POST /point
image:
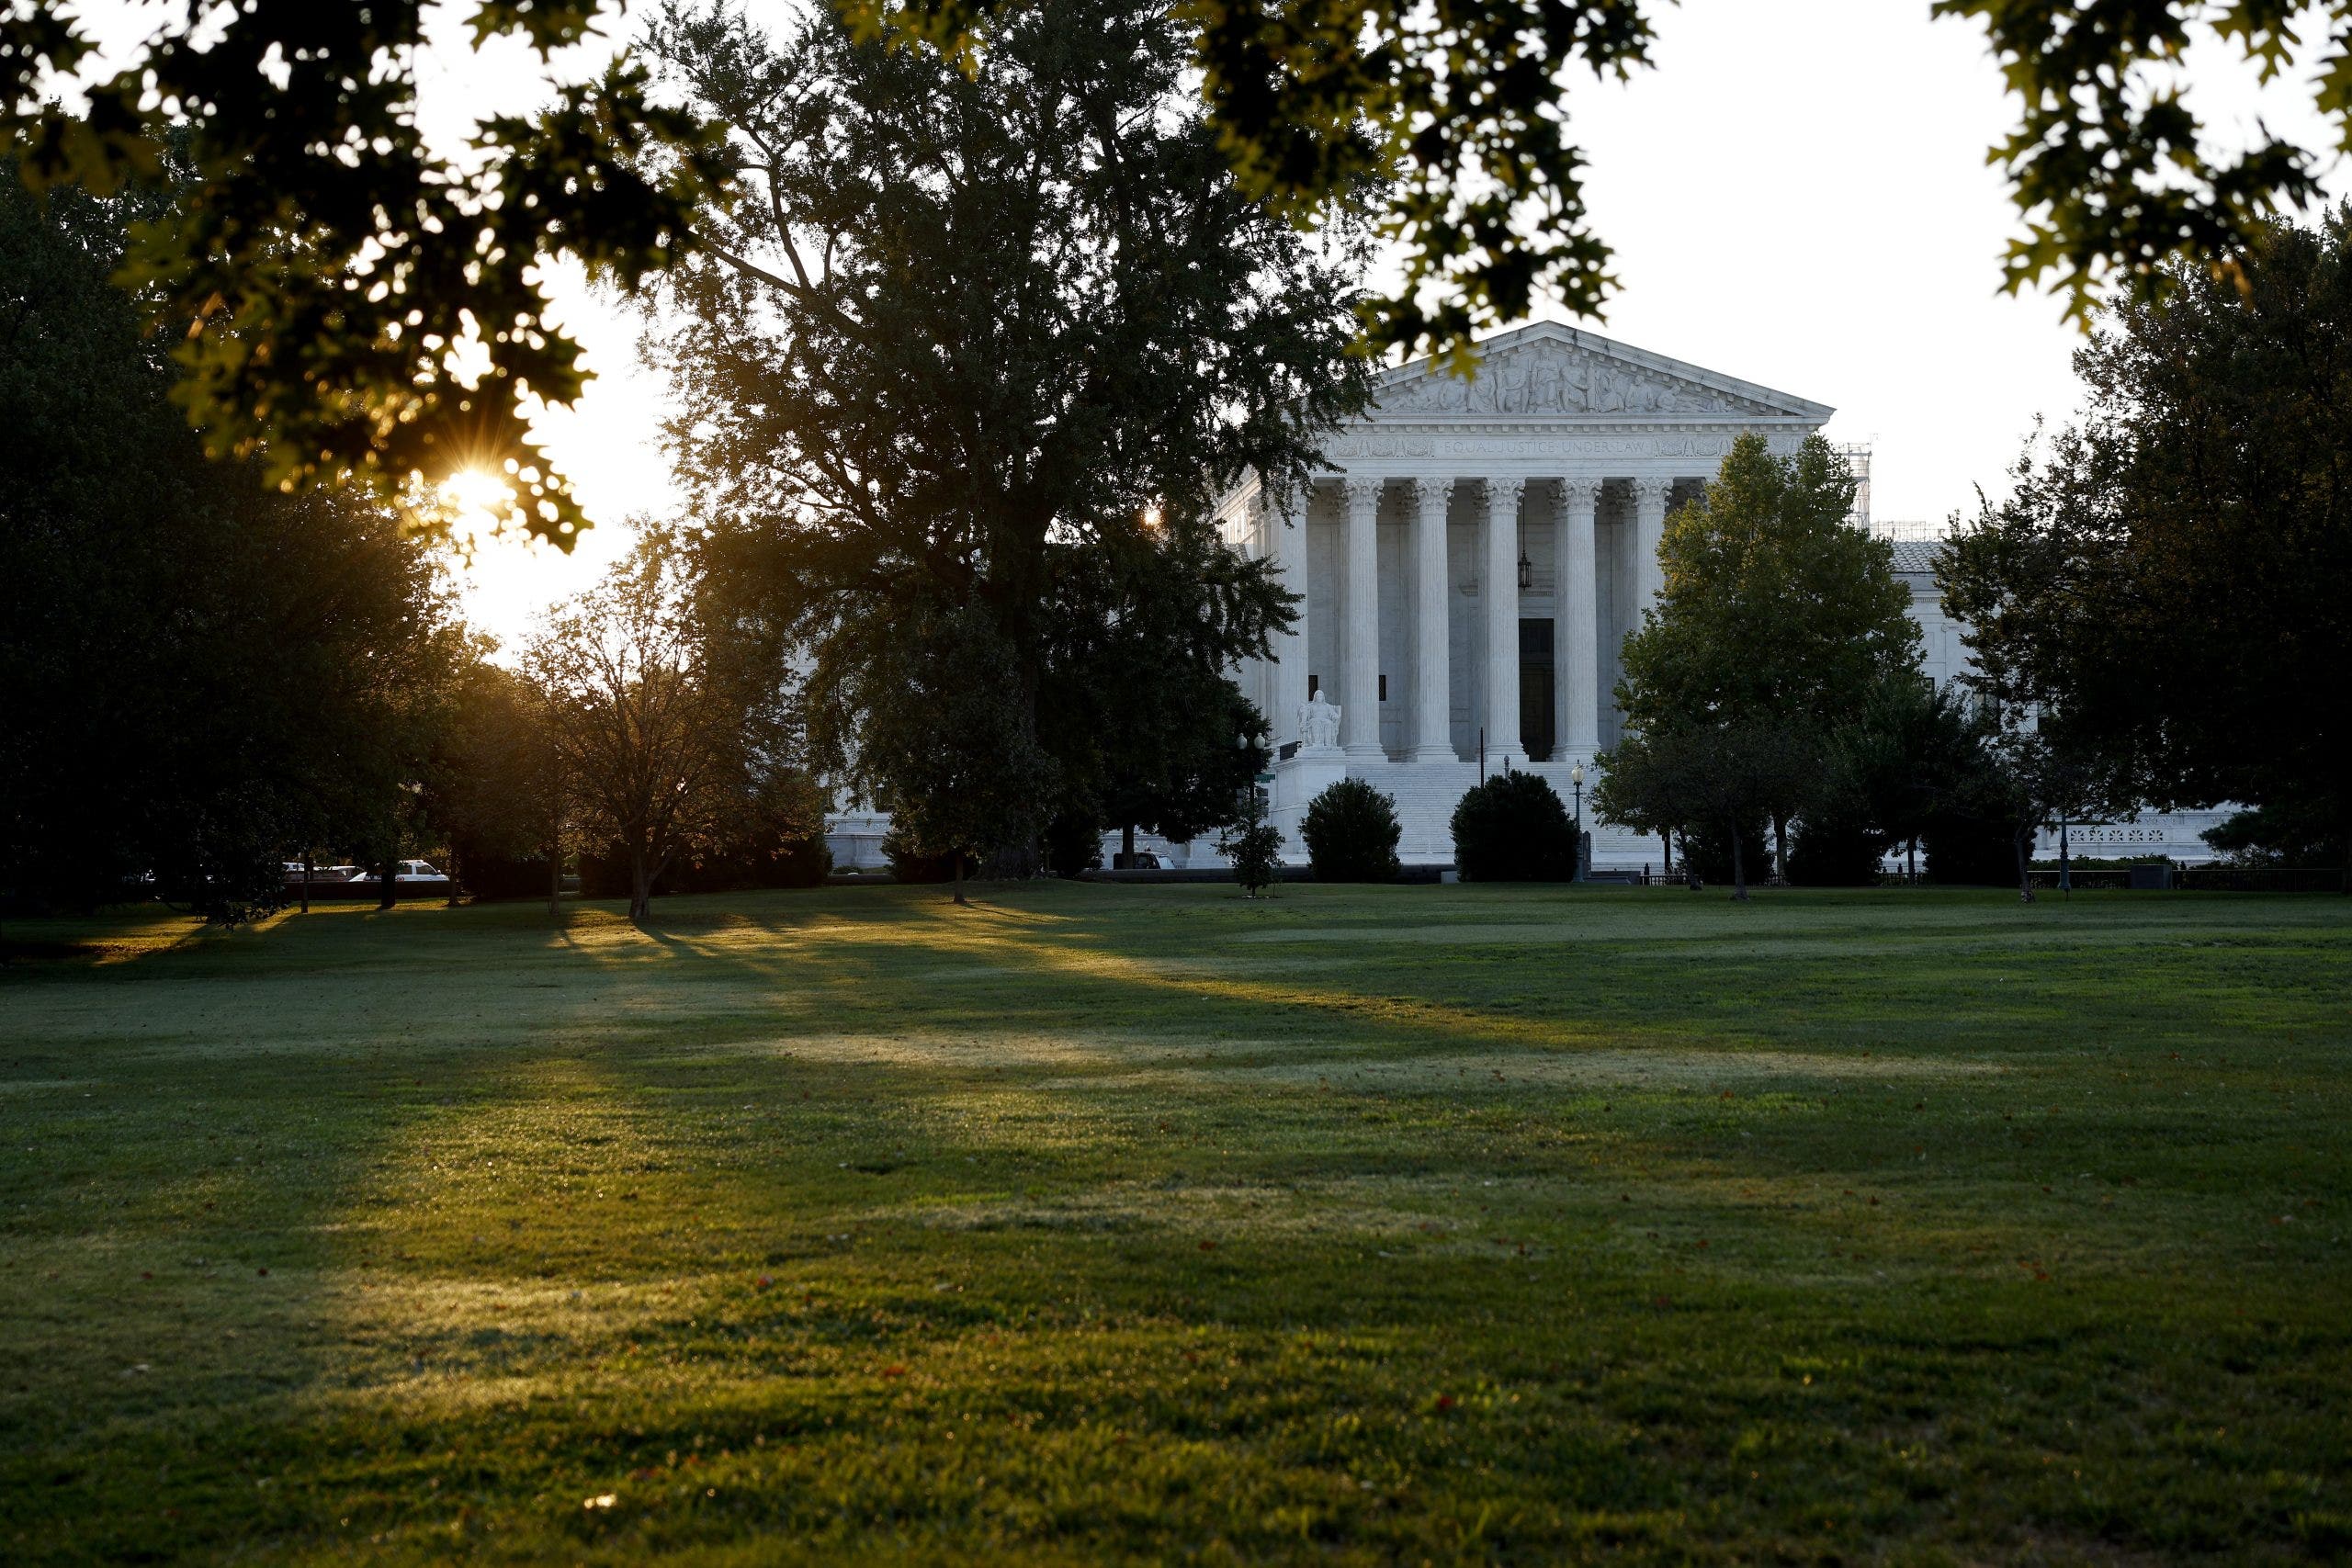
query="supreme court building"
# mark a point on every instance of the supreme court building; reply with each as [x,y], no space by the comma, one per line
[1471,558]
[1472,562]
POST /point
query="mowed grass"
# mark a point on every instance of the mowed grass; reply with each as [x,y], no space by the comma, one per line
[1148,1222]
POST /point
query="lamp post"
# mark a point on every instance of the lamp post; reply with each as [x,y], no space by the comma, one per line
[1575,783]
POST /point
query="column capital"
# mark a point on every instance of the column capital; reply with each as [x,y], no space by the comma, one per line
[1431,492]
[1579,493]
[1652,491]
[1362,491]
[1504,493]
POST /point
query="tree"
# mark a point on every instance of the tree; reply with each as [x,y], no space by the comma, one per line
[201,678]
[1175,763]
[2031,780]
[2273,836]
[337,293]
[1720,779]
[1774,603]
[2168,586]
[1777,617]
[1512,828]
[962,370]
[656,741]
[1631,789]
[496,789]
[1351,832]
[1253,845]
[948,731]
[1906,754]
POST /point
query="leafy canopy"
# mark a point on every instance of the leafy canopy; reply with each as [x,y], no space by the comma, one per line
[1459,114]
[340,284]
[1776,608]
[961,373]
[344,300]
[198,678]
[2168,585]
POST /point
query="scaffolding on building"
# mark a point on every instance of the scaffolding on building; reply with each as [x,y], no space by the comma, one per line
[1858,458]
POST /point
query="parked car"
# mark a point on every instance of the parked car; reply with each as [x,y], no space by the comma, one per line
[409,874]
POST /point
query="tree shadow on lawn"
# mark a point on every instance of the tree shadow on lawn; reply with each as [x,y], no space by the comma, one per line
[181,1261]
[1317,1228]
[1043,1262]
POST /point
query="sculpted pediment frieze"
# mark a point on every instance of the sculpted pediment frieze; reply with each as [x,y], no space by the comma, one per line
[1555,372]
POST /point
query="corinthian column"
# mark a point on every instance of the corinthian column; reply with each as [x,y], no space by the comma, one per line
[1288,547]
[1577,618]
[1360,625]
[1649,531]
[1432,691]
[1498,590]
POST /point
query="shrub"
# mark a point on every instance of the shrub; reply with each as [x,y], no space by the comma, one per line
[1513,828]
[906,865]
[1351,832]
[1708,846]
[489,878]
[1829,851]
[1073,844]
[1965,851]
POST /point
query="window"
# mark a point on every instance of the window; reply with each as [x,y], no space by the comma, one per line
[1383,688]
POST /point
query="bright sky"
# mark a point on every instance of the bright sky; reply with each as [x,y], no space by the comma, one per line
[1797,194]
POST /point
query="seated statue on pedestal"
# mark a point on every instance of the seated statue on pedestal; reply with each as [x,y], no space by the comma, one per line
[1318,725]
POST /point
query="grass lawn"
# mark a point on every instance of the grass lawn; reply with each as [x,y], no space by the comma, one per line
[1142,1222]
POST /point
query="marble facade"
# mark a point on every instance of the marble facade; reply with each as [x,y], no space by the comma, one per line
[1472,561]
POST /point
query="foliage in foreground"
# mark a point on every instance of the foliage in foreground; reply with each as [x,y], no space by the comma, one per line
[334,295]
[1159,1224]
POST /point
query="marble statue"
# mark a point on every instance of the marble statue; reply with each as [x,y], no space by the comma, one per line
[1319,724]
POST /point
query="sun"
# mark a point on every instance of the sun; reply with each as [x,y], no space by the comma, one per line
[474,504]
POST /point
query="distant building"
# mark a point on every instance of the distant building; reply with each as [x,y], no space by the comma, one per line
[1472,559]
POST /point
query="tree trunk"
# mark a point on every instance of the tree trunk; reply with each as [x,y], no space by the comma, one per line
[1666,838]
[1738,868]
[306,881]
[959,880]
[456,869]
[555,861]
[1128,842]
[1911,860]
[1780,851]
[388,886]
[2025,867]
[640,883]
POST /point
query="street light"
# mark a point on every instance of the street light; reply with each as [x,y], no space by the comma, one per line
[1575,783]
[1526,572]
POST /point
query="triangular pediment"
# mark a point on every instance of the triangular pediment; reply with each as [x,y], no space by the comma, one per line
[1550,371]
